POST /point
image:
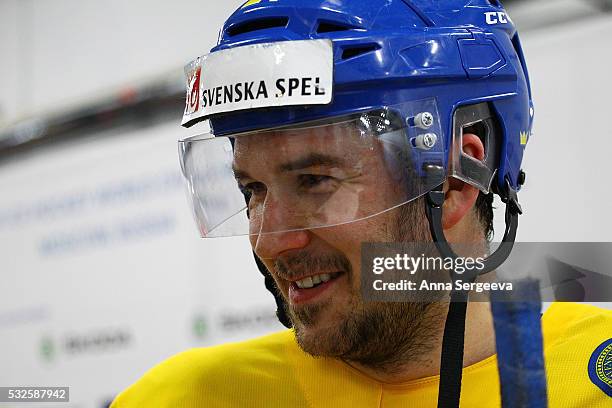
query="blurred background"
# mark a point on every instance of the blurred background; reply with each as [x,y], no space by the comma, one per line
[102,273]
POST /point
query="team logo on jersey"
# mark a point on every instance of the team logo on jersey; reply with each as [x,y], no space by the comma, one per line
[600,367]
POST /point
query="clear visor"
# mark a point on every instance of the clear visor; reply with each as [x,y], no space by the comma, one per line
[313,175]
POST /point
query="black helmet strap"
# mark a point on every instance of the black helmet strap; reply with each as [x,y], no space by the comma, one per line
[451,364]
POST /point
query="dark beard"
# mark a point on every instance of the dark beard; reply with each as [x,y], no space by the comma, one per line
[382,336]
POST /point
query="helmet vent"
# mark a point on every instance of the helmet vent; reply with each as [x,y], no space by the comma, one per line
[256,25]
[352,52]
[334,26]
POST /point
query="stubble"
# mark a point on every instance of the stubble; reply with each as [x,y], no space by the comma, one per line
[383,336]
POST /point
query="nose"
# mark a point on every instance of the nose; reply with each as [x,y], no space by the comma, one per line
[276,228]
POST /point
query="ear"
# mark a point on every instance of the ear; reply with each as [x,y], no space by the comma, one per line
[460,197]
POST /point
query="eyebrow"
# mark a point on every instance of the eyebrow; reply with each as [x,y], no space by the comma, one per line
[311,160]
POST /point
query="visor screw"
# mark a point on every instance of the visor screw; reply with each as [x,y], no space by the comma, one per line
[424,120]
[426,141]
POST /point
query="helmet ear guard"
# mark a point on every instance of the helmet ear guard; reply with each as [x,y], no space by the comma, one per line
[476,119]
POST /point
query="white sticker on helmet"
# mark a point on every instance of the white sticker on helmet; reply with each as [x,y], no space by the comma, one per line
[259,76]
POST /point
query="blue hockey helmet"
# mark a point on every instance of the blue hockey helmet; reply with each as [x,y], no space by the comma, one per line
[425,69]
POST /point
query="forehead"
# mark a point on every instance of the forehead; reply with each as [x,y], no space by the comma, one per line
[343,141]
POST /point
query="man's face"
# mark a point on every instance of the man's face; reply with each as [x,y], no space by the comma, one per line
[305,188]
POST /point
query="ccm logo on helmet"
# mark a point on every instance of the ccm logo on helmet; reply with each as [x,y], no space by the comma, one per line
[497,17]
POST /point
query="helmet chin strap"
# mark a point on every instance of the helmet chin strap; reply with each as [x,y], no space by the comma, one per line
[451,364]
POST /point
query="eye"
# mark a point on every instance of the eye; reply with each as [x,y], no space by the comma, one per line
[252,189]
[317,183]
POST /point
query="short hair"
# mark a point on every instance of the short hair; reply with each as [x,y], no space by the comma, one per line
[484,213]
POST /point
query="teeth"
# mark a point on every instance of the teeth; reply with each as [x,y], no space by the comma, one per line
[311,281]
[307,283]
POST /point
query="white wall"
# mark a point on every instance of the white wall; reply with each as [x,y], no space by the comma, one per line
[567,197]
[60,51]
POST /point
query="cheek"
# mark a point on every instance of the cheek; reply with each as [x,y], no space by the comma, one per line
[268,263]
[283,286]
[346,240]
[254,224]
[253,241]
[382,186]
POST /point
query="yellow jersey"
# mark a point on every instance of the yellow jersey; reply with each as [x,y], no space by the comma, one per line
[272,371]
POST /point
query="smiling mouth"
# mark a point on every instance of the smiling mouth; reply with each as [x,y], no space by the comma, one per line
[311,287]
[315,280]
